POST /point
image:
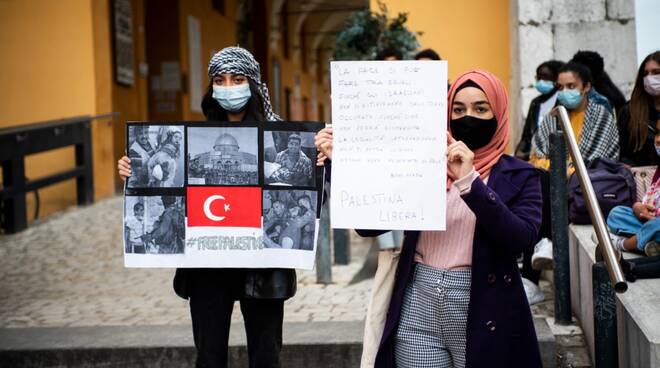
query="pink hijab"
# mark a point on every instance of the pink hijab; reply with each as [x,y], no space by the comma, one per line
[486,157]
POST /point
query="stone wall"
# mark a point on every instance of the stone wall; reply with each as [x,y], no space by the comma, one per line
[556,29]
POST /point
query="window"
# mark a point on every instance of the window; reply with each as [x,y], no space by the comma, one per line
[277,87]
[287,103]
[284,28]
[303,48]
[219,6]
[321,116]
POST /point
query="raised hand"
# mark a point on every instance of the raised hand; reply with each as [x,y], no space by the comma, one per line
[460,160]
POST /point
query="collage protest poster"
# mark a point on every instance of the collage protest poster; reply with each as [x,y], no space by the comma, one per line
[217,194]
[389,121]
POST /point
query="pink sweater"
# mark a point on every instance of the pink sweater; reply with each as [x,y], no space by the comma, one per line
[452,248]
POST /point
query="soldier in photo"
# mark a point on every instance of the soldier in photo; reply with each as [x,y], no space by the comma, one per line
[168,234]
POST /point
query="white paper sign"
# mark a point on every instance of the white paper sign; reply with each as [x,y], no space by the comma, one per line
[389,166]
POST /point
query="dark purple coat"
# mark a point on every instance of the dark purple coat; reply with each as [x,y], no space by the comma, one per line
[500,330]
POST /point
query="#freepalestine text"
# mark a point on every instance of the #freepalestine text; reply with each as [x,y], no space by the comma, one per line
[226,242]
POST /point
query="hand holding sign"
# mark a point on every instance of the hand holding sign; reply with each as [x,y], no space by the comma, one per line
[323,143]
[459,158]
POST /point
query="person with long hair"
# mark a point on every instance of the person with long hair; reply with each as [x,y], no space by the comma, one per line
[637,118]
[235,93]
[458,299]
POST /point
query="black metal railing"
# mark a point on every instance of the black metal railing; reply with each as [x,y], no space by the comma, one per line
[18,142]
[607,275]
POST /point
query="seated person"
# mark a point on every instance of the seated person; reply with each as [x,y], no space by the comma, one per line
[593,125]
[638,227]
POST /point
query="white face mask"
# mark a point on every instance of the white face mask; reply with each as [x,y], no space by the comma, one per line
[234,98]
[657,150]
[652,84]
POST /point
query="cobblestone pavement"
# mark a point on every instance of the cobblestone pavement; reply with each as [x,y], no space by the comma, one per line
[67,270]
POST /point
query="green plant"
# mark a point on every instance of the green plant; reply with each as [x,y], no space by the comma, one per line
[367,33]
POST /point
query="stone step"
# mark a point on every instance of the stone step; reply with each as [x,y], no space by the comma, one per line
[306,344]
[638,320]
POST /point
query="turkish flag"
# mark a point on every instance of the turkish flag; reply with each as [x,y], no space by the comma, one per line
[224,206]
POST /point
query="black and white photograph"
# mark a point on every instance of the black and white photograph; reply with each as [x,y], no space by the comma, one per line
[289,219]
[154,224]
[223,156]
[156,153]
[289,158]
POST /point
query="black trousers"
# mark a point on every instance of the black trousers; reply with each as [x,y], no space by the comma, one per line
[544,232]
[212,297]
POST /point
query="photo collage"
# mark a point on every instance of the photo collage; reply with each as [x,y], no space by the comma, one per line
[171,163]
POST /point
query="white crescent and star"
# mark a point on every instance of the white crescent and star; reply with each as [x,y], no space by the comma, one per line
[207,207]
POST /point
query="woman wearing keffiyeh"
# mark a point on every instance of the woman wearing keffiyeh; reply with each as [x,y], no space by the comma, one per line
[235,93]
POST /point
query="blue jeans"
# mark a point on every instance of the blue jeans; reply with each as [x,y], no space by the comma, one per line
[622,221]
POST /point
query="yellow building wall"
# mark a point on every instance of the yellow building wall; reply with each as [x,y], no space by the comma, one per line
[468,33]
[49,72]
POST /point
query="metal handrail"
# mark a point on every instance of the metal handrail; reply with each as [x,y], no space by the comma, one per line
[605,247]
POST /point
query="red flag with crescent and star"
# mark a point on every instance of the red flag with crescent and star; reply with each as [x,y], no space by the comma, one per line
[224,206]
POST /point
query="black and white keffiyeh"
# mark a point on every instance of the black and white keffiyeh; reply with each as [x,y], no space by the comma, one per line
[237,60]
[599,136]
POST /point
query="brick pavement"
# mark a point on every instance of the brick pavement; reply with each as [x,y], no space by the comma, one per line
[67,270]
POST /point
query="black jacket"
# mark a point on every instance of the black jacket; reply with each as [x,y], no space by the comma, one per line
[266,283]
[261,283]
[531,124]
[646,156]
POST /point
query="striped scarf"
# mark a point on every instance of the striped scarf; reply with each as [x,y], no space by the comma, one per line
[237,60]
[599,136]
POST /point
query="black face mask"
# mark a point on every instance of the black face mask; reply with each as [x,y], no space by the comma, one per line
[474,132]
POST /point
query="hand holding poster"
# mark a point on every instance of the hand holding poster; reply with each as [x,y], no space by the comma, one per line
[389,124]
[222,195]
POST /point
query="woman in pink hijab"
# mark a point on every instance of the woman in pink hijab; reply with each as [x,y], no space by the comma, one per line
[458,298]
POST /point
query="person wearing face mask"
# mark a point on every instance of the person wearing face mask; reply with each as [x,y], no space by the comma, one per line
[546,77]
[458,299]
[635,120]
[235,93]
[603,90]
[593,125]
[597,136]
